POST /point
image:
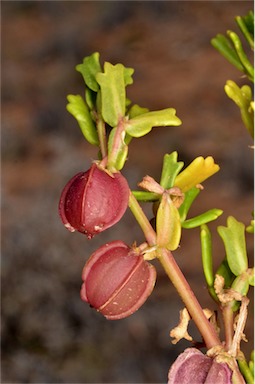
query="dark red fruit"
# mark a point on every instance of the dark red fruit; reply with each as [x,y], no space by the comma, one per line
[93,201]
[117,280]
[192,366]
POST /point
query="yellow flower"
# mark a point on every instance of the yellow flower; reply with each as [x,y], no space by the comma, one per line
[198,171]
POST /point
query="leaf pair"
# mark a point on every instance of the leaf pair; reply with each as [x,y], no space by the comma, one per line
[234,267]
[106,103]
[231,48]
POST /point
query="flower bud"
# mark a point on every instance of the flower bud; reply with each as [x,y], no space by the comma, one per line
[193,367]
[168,224]
[117,280]
[93,201]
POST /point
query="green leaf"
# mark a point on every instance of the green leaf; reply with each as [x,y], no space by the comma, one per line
[89,69]
[142,124]
[249,69]
[246,25]
[242,98]
[206,247]
[128,75]
[204,218]
[249,22]
[90,98]
[78,108]
[190,196]
[146,196]
[224,46]
[226,272]
[136,110]
[112,83]
[240,285]
[250,228]
[171,168]
[235,246]
[250,273]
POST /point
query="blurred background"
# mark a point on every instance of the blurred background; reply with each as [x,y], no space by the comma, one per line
[48,334]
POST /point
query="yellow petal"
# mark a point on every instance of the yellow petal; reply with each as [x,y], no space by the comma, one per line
[198,171]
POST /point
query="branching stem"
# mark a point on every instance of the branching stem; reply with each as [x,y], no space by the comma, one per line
[174,273]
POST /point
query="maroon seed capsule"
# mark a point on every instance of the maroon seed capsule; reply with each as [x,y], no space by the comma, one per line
[117,280]
[192,366]
[93,201]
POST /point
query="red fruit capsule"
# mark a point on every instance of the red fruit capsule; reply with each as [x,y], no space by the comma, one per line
[93,201]
[117,280]
[192,366]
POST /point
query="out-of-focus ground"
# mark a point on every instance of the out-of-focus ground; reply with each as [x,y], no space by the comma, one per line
[48,334]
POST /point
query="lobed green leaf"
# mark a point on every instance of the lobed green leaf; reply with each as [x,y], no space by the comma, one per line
[171,168]
[112,83]
[142,124]
[235,245]
[89,69]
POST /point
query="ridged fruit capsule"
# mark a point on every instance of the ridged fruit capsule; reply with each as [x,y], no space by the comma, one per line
[117,280]
[192,366]
[93,201]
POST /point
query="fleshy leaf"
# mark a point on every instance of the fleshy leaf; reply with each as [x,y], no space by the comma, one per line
[128,77]
[112,83]
[246,24]
[235,246]
[251,276]
[225,47]
[199,170]
[136,110]
[90,98]
[89,68]
[79,109]
[206,246]
[248,67]
[143,124]
[171,168]
[250,228]
[204,218]
[190,196]
[226,272]
[242,97]
[146,196]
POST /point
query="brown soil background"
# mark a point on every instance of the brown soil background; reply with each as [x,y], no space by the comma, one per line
[48,334]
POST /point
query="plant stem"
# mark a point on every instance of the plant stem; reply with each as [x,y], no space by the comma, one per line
[173,271]
[228,319]
[142,220]
[102,137]
[117,144]
[168,262]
